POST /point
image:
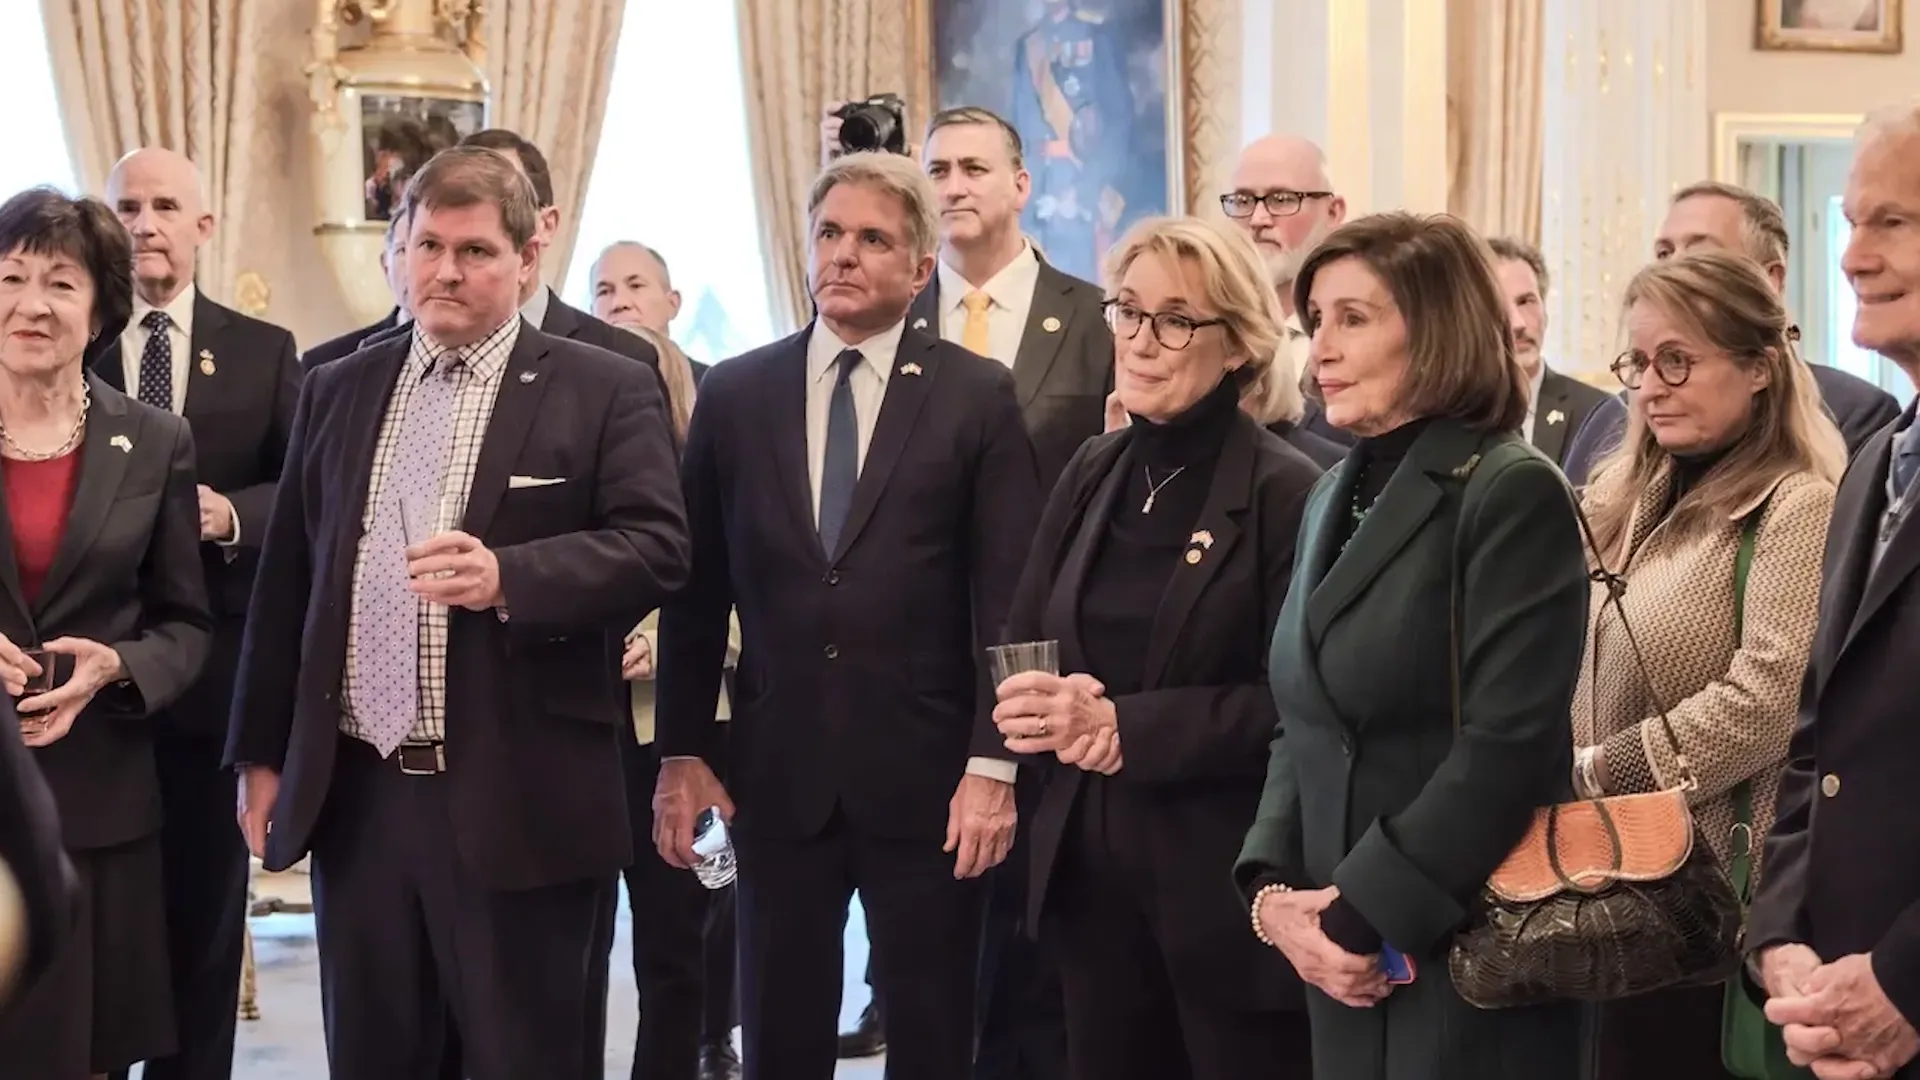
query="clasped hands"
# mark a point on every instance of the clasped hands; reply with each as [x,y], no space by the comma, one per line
[1066,715]
[1292,922]
[1834,1018]
[47,718]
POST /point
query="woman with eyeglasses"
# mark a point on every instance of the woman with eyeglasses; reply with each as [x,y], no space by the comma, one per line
[1727,447]
[1160,565]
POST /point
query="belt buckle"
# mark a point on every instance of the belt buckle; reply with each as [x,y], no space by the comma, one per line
[421,758]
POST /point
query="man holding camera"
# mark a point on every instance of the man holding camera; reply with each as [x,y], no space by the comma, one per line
[993,294]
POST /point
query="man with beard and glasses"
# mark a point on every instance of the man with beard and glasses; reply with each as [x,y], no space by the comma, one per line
[1559,406]
[1282,197]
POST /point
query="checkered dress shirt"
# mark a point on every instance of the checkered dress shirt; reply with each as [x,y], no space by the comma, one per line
[478,385]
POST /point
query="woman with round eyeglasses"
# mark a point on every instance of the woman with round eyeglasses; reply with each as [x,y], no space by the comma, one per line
[1159,567]
[1727,448]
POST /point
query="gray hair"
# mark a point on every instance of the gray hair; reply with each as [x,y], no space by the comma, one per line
[463,176]
[1899,119]
[1512,250]
[894,175]
[1762,225]
[666,275]
[975,116]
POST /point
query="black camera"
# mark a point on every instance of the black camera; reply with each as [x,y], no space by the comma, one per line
[878,123]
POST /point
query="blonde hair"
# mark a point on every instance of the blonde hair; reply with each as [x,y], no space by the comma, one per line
[896,176]
[676,371]
[1724,300]
[1236,287]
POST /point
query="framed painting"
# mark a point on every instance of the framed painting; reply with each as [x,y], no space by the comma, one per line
[1093,90]
[1871,26]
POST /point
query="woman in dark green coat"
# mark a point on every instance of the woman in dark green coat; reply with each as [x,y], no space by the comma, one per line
[1380,822]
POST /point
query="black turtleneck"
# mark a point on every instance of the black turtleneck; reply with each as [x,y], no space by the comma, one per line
[1173,462]
[1688,471]
[1379,457]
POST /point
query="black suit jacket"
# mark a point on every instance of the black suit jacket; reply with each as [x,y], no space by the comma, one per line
[861,681]
[1859,407]
[1564,406]
[1064,369]
[334,348]
[1196,736]
[241,416]
[1322,451]
[1839,874]
[127,574]
[1315,422]
[535,701]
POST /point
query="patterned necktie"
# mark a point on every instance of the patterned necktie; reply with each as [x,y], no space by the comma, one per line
[840,470]
[386,699]
[156,362]
[973,336]
[1906,459]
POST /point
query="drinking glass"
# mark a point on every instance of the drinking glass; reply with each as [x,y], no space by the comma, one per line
[420,517]
[1011,660]
[43,682]
[716,869]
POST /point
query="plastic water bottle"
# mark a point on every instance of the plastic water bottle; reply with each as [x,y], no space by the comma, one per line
[714,846]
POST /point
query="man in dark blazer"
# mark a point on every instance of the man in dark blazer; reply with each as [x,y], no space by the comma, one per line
[1834,930]
[393,266]
[1561,406]
[474,818]
[235,380]
[863,494]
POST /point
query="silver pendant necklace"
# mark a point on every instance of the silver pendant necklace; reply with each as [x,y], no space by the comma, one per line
[1153,489]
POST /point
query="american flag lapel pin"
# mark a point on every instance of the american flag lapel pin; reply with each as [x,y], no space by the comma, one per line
[920,324]
[528,376]
[1556,417]
[909,368]
[125,444]
[206,362]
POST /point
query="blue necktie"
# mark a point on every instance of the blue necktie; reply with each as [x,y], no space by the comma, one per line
[156,363]
[1906,459]
[840,470]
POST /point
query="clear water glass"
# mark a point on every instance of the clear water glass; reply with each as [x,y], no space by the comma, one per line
[714,846]
[1023,656]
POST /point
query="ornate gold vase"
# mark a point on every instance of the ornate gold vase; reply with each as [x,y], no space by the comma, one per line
[392,82]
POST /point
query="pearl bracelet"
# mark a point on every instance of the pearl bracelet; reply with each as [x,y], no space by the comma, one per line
[1260,898]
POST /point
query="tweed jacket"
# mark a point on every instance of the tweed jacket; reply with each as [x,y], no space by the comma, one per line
[1732,703]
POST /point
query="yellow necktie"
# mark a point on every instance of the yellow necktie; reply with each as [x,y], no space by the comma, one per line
[973,337]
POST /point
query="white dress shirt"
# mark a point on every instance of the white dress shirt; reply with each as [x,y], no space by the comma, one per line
[1011,294]
[133,344]
[1299,346]
[535,309]
[1533,400]
[868,381]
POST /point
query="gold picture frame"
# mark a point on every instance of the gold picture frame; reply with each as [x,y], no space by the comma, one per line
[1817,26]
[928,66]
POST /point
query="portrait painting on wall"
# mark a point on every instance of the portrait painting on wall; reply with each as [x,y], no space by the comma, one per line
[1087,84]
[398,133]
[1831,25]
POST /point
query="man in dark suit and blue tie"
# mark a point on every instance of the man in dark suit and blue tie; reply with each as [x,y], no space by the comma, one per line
[471,519]
[235,380]
[864,494]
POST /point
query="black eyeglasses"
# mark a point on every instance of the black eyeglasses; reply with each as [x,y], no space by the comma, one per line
[1171,330]
[1240,204]
[1671,366]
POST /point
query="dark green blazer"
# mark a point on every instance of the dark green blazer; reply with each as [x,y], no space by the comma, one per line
[1369,790]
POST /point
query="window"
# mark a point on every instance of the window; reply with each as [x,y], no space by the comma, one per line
[36,143]
[673,172]
[1841,351]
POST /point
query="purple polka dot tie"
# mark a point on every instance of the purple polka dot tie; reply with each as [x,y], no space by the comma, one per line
[156,362]
[386,697]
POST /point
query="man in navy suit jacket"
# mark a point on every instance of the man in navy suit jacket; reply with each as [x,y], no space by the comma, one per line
[864,495]
[475,820]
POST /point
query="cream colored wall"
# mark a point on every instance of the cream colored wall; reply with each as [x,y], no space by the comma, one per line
[1743,79]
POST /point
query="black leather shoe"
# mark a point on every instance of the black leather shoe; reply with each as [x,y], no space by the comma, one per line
[866,1039]
[719,1062]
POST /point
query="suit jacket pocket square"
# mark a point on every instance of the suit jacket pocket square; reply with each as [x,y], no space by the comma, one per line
[534,481]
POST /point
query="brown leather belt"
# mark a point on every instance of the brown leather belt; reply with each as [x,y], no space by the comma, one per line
[421,758]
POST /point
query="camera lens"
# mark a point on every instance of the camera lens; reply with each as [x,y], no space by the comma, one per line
[866,128]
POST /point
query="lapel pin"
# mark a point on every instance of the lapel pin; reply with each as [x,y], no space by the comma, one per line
[1193,556]
[920,324]
[206,361]
[1556,417]
[1465,469]
[1197,544]
[909,369]
[1050,324]
[1203,538]
[125,444]
[528,376]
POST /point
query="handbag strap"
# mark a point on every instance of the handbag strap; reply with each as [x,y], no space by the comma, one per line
[1740,867]
[1616,586]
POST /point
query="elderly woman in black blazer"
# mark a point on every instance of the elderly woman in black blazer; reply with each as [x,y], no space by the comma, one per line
[100,575]
[1159,566]
[1441,533]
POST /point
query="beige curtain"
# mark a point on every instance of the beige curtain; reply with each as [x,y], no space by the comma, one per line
[173,73]
[1494,116]
[797,56]
[550,65]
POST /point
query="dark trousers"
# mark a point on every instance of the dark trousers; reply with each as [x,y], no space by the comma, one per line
[205,863]
[1023,1032]
[1665,1035]
[408,938]
[925,931]
[1126,1016]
